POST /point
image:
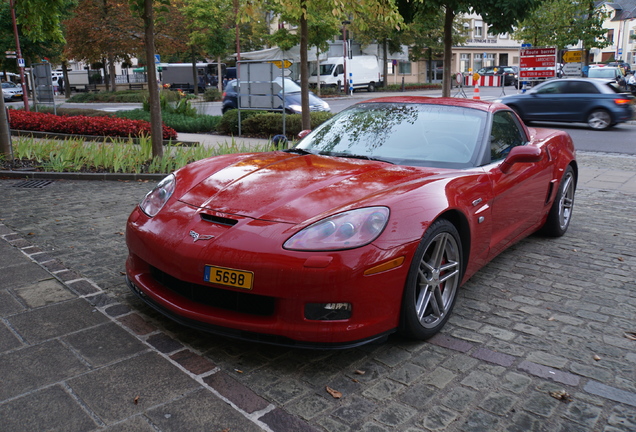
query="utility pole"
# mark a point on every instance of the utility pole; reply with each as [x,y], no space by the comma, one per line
[25,95]
[5,133]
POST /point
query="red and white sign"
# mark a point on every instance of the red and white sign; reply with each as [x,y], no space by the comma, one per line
[537,62]
[549,51]
[483,81]
[551,73]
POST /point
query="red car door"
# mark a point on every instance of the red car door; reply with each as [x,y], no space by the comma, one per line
[520,193]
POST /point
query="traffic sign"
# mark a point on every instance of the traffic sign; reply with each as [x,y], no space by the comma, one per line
[282,64]
[21,62]
[573,56]
[542,61]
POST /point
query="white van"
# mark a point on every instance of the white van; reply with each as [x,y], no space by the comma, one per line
[365,71]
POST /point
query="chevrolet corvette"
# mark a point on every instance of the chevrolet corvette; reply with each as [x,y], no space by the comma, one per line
[368,226]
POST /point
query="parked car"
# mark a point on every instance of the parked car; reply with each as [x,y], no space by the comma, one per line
[609,72]
[292,101]
[600,103]
[510,73]
[368,226]
[11,91]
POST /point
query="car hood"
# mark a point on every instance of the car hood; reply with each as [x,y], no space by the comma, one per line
[293,189]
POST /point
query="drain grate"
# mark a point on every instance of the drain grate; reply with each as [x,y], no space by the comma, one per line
[33,184]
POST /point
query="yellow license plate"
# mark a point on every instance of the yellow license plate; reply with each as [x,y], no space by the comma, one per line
[229,277]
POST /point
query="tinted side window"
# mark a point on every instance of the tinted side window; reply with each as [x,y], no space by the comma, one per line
[581,87]
[551,88]
[505,134]
[339,70]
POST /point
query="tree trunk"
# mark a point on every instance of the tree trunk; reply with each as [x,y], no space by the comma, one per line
[195,74]
[448,51]
[304,69]
[112,73]
[156,130]
[67,87]
[385,66]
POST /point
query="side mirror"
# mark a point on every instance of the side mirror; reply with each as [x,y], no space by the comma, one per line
[335,73]
[303,133]
[521,154]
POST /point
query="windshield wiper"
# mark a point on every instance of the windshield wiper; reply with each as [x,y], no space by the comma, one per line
[298,151]
[356,156]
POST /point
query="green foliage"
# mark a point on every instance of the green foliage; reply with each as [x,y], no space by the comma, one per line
[212,95]
[199,123]
[269,124]
[229,122]
[75,155]
[126,96]
[562,22]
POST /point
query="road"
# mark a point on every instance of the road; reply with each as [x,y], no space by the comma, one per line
[619,139]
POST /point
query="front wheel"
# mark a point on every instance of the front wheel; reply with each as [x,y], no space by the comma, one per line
[561,211]
[371,87]
[599,119]
[432,282]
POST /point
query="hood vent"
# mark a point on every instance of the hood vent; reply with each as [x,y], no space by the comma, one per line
[218,220]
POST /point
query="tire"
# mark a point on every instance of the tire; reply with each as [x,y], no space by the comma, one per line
[560,214]
[432,282]
[371,88]
[599,119]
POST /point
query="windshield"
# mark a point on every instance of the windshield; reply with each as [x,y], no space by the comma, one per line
[290,86]
[326,69]
[602,73]
[408,134]
[9,85]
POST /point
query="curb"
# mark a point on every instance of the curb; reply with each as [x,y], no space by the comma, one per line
[53,135]
[80,176]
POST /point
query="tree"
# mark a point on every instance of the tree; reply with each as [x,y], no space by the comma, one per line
[302,12]
[103,29]
[562,22]
[145,9]
[210,27]
[38,20]
[501,15]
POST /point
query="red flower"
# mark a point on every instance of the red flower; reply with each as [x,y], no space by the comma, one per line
[83,125]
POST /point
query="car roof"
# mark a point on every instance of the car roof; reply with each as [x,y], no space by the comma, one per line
[427,100]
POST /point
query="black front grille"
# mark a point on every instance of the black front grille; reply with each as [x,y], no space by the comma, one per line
[247,303]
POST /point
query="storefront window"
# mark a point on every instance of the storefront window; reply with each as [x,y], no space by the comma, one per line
[489,60]
[404,68]
[478,62]
[464,62]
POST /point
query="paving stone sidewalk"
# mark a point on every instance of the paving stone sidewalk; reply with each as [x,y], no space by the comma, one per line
[538,340]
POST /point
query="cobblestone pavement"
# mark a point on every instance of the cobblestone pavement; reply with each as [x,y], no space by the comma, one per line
[538,341]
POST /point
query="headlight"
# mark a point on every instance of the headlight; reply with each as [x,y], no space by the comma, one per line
[347,230]
[325,105]
[296,108]
[154,200]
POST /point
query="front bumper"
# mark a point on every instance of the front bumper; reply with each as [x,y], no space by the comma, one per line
[169,277]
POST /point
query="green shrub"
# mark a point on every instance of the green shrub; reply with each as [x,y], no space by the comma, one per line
[179,122]
[212,95]
[268,124]
[133,96]
[229,122]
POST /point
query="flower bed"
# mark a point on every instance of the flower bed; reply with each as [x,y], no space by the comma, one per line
[83,125]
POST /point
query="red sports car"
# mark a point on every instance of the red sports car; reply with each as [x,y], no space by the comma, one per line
[368,226]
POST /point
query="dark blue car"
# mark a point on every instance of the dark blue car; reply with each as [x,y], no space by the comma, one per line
[292,97]
[600,103]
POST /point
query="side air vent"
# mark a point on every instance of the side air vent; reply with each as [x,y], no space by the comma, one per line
[218,220]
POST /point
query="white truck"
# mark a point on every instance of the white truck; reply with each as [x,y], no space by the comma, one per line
[365,71]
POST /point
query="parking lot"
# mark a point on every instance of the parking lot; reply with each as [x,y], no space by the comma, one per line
[541,339]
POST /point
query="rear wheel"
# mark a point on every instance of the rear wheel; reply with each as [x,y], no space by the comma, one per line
[561,211]
[599,119]
[433,281]
[371,87]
